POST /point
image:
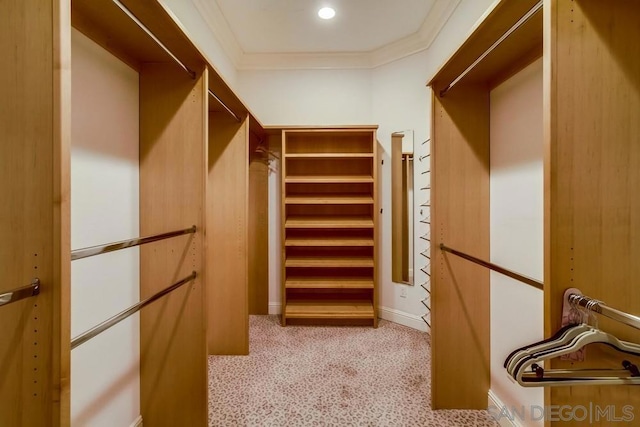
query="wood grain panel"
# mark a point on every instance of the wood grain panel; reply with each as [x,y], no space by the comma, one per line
[228,235]
[593,162]
[173,151]
[283,221]
[460,218]
[34,215]
[376,223]
[258,234]
[61,369]
[106,24]
[490,28]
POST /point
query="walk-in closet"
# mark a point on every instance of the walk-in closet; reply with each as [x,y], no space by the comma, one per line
[368,213]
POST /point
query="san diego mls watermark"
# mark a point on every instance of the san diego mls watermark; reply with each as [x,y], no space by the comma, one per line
[591,413]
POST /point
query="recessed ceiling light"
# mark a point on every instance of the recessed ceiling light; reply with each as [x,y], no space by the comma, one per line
[326,13]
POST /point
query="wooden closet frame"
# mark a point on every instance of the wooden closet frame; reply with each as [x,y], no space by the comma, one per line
[591,185]
[189,147]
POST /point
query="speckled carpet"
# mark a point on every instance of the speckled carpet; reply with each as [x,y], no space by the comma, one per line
[329,376]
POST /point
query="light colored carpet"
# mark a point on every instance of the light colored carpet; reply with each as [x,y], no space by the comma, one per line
[329,376]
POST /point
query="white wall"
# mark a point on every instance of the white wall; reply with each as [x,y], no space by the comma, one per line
[200,34]
[105,385]
[395,97]
[401,100]
[308,97]
[516,226]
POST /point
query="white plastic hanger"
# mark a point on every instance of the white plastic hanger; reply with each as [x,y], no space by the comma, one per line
[577,377]
[563,337]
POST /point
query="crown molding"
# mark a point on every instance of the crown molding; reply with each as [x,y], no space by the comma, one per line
[421,40]
[217,23]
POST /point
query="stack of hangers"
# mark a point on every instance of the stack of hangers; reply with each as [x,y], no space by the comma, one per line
[524,365]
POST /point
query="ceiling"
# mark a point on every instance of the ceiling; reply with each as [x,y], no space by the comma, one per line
[289,33]
[277,26]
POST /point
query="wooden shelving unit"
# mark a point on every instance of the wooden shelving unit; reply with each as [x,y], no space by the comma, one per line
[329,225]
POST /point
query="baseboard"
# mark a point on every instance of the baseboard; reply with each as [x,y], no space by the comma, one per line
[496,403]
[137,422]
[402,318]
[275,308]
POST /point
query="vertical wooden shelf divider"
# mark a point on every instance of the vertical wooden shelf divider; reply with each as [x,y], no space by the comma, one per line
[329,225]
[35,122]
[228,235]
[172,195]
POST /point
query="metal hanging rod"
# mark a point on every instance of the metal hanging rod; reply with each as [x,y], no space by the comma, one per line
[428,187]
[98,329]
[424,142]
[426,204]
[524,279]
[424,237]
[424,286]
[425,172]
[425,271]
[424,302]
[20,293]
[510,31]
[424,221]
[601,308]
[110,247]
[235,116]
[426,255]
[153,37]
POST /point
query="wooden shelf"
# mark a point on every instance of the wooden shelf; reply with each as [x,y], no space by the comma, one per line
[345,309]
[329,262]
[329,222]
[329,218]
[328,241]
[329,155]
[329,199]
[328,179]
[329,283]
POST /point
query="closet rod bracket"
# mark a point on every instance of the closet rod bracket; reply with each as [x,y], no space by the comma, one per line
[21,293]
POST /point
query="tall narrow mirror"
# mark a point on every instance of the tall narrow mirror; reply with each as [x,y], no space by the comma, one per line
[402,206]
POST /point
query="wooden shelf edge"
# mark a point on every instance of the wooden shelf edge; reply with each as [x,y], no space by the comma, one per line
[338,222]
[329,263]
[301,242]
[329,310]
[328,200]
[328,180]
[320,284]
[329,156]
